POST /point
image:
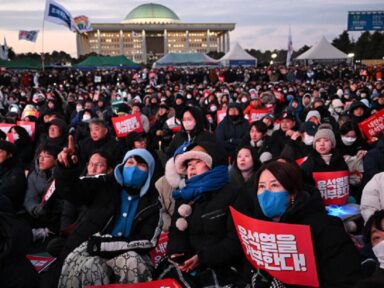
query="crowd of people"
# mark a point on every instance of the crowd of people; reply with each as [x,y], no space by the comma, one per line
[255,139]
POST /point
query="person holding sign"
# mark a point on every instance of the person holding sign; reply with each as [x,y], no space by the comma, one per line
[279,197]
[203,249]
[126,205]
[326,168]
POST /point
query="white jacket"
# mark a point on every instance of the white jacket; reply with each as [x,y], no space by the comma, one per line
[372,199]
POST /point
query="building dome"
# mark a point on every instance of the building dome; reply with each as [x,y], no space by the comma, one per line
[151,13]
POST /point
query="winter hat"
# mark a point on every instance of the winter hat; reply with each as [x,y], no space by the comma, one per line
[7,146]
[207,151]
[325,131]
[313,113]
[309,128]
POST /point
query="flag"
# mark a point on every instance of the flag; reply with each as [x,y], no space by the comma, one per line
[290,48]
[4,51]
[83,24]
[56,13]
[28,35]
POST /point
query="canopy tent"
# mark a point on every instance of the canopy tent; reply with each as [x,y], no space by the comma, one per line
[185,59]
[323,50]
[237,56]
[22,63]
[99,61]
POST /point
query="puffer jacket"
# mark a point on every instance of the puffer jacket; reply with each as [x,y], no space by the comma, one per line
[372,198]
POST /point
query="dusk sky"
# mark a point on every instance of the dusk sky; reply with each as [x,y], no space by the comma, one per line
[261,24]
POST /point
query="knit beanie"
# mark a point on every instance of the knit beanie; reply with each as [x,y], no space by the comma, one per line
[325,131]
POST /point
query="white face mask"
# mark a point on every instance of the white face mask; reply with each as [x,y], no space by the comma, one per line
[378,249]
[86,117]
[339,110]
[244,100]
[79,108]
[213,108]
[348,141]
[308,139]
[189,125]
[15,136]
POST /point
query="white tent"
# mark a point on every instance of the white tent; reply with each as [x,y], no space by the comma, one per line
[236,56]
[323,50]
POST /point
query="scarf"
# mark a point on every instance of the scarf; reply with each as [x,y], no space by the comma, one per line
[128,208]
[211,180]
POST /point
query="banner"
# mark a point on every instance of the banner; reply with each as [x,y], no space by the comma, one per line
[333,186]
[83,24]
[372,126]
[160,250]
[164,283]
[284,250]
[258,114]
[29,126]
[123,125]
[40,262]
[56,13]
[28,35]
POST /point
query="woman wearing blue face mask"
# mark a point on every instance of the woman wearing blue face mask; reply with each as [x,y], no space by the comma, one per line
[279,196]
[120,252]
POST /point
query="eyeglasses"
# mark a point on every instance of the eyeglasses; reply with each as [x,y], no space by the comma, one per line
[46,156]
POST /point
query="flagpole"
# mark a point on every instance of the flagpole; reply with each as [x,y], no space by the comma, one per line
[42,41]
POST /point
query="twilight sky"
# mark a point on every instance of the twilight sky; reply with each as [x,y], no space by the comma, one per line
[260,24]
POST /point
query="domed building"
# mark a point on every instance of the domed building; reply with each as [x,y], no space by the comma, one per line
[152,30]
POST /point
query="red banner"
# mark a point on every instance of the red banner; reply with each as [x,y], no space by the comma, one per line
[333,186]
[165,283]
[301,160]
[29,126]
[160,250]
[123,125]
[258,114]
[284,250]
[373,125]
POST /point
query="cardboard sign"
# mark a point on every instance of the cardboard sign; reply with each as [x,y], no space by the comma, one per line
[124,125]
[160,250]
[284,250]
[333,186]
[220,115]
[164,283]
[29,126]
[372,126]
[40,263]
[258,114]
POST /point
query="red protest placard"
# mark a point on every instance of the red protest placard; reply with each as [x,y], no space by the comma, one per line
[373,125]
[284,250]
[258,114]
[165,283]
[220,115]
[5,127]
[40,263]
[160,250]
[29,126]
[333,186]
[123,125]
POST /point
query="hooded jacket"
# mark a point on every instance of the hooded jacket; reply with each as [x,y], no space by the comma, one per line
[101,197]
[197,134]
[229,133]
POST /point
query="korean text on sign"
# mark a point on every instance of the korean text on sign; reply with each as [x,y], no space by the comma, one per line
[333,186]
[276,252]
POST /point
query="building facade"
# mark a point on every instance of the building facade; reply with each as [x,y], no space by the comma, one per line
[152,30]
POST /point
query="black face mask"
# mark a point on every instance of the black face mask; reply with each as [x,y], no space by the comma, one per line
[234,117]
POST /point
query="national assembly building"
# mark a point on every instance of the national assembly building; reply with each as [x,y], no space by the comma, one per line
[150,31]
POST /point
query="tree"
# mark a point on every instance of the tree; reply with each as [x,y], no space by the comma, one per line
[343,42]
[377,45]
[362,46]
[215,55]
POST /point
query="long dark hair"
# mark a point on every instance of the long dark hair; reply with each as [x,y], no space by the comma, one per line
[286,173]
